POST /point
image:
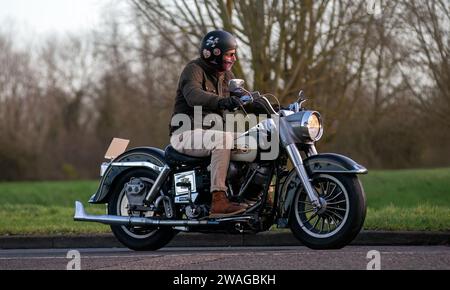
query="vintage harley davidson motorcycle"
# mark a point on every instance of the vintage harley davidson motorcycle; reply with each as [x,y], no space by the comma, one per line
[152,194]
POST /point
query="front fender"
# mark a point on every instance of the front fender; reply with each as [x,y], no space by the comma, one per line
[140,154]
[332,163]
[316,164]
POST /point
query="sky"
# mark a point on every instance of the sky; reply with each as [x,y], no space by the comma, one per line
[50,16]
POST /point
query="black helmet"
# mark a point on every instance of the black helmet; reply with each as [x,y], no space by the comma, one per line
[215,44]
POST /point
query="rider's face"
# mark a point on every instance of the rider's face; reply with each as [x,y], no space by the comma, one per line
[229,58]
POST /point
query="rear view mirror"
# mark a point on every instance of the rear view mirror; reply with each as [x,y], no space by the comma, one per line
[235,84]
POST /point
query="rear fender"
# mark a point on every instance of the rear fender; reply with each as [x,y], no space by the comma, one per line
[141,156]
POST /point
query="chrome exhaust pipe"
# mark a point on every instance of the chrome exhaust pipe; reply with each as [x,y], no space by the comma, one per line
[80,215]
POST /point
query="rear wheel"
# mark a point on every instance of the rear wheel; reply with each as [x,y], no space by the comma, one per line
[339,220]
[136,237]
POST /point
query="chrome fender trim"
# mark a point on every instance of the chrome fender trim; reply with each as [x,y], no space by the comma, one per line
[138,164]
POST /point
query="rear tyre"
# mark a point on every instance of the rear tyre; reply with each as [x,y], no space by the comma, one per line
[136,237]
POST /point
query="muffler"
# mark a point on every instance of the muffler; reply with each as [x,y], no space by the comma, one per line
[80,215]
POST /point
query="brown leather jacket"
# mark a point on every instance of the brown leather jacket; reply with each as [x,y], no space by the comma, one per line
[200,85]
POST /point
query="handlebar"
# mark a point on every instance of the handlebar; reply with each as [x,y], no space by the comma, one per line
[250,97]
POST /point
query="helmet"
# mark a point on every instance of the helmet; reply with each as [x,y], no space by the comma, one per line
[214,45]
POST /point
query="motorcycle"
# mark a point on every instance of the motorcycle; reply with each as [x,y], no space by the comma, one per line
[152,194]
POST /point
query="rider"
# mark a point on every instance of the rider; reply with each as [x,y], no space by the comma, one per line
[204,82]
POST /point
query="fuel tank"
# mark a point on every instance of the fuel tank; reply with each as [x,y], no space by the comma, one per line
[249,143]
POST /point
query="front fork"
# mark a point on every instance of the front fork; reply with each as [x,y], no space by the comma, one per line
[296,159]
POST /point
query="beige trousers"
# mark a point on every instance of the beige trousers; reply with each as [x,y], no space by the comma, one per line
[202,143]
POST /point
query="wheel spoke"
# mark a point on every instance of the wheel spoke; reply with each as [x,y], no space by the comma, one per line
[334,197]
[328,203]
[325,217]
[306,211]
[332,219]
[335,222]
[322,189]
[335,186]
[315,224]
[330,192]
[328,225]
[311,217]
[336,208]
[340,217]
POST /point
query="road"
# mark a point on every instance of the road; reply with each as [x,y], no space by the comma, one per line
[231,258]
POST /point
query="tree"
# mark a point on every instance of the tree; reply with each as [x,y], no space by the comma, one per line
[428,24]
[284,46]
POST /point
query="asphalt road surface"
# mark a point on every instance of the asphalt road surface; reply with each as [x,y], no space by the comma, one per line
[232,258]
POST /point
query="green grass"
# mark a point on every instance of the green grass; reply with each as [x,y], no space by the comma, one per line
[397,200]
[422,217]
[46,207]
[407,188]
[44,220]
[408,199]
[55,193]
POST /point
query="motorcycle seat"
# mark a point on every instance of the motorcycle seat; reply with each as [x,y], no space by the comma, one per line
[176,159]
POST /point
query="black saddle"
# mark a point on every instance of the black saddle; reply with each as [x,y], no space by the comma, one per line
[177,159]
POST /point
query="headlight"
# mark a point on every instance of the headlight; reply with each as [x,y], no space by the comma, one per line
[306,125]
[315,126]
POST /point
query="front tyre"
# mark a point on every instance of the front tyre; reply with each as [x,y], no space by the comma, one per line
[136,237]
[339,220]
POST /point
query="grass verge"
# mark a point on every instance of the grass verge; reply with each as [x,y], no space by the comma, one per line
[411,200]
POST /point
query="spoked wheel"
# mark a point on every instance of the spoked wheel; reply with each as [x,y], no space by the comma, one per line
[340,218]
[136,237]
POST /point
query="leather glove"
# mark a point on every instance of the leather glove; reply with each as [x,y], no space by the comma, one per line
[238,93]
[229,103]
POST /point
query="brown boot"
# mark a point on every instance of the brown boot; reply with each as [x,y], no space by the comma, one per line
[222,207]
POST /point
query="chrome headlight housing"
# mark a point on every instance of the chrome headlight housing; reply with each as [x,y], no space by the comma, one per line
[306,125]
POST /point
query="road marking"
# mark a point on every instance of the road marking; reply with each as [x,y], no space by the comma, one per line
[225,253]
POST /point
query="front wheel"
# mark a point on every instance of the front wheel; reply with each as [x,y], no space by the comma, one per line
[340,218]
[136,237]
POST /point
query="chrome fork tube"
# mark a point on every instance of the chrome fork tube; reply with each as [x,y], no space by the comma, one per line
[296,159]
[158,183]
[311,151]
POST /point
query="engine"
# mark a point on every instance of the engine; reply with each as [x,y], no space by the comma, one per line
[250,178]
[244,180]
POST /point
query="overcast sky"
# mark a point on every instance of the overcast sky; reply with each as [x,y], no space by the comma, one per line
[48,16]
